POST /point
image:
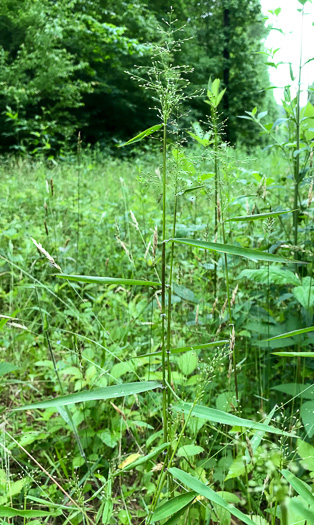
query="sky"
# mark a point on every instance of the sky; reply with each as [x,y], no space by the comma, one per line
[290,21]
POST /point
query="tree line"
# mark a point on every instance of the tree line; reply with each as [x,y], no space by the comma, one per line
[63,67]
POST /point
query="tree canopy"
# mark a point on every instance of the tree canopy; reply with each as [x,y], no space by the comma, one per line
[63,63]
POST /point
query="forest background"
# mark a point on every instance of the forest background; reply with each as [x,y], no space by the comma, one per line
[62,68]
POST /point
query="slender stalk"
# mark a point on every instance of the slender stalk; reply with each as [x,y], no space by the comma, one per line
[79,142]
[163,283]
[297,157]
[218,218]
[170,296]
[165,468]
[284,513]
[216,170]
[230,314]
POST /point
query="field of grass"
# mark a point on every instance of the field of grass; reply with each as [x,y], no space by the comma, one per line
[104,459]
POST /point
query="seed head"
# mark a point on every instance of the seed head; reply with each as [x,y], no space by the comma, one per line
[134,221]
[218,209]
[250,449]
[310,196]
[155,241]
[158,467]
[46,254]
[214,305]
[125,249]
[157,299]
[233,298]
[232,339]
[196,315]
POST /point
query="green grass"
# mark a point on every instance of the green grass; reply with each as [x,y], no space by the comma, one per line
[69,336]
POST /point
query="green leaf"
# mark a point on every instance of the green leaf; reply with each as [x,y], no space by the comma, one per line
[6,368]
[223,418]
[9,512]
[307,411]
[187,363]
[299,486]
[185,293]
[203,141]
[261,115]
[215,87]
[291,334]
[141,135]
[229,496]
[110,392]
[173,506]
[270,275]
[219,97]
[146,458]
[108,438]
[255,255]
[188,451]
[202,489]
[278,122]
[259,216]
[237,468]
[298,510]
[296,389]
[305,293]
[105,280]
[306,452]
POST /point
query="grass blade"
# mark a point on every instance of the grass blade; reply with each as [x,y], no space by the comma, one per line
[302,488]
[198,347]
[290,334]
[202,489]
[173,506]
[109,392]
[224,418]
[258,216]
[105,280]
[248,253]
[9,512]
[50,503]
[294,354]
[186,348]
[144,459]
[141,135]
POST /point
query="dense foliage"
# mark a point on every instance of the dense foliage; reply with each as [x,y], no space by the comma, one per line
[62,67]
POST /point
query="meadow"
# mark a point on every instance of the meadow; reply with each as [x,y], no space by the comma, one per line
[103,217]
